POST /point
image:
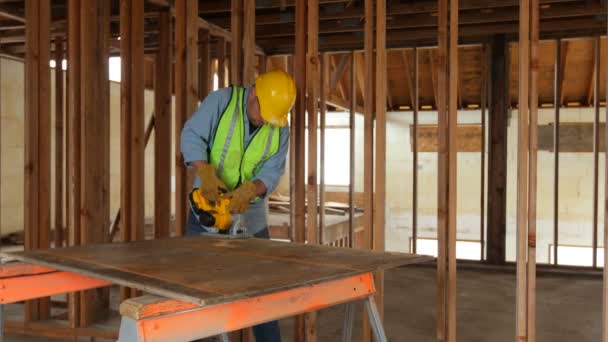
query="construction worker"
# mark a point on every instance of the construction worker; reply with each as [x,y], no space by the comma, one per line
[237,141]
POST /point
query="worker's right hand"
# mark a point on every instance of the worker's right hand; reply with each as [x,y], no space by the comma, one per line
[211,186]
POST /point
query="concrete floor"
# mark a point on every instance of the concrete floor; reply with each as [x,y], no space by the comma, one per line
[569,309]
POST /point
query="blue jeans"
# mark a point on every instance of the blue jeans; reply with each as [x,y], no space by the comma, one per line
[265,332]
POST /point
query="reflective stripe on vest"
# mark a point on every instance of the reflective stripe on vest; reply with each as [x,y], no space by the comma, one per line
[234,162]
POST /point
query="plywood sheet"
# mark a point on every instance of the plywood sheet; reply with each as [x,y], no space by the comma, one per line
[468,138]
[573,137]
[209,270]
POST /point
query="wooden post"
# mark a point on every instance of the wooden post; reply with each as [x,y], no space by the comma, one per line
[74,143]
[162,132]
[132,124]
[452,161]
[522,170]
[205,79]
[322,108]
[557,104]
[236,55]
[497,154]
[249,58]
[605,273]
[484,100]
[351,173]
[312,69]
[415,107]
[531,238]
[596,142]
[221,63]
[58,143]
[95,105]
[186,96]
[443,171]
[380,173]
[299,124]
[37,178]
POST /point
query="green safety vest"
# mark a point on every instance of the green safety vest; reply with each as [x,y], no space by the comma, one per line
[234,161]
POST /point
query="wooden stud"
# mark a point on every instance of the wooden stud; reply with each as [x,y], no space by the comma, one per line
[605,273]
[95,130]
[248,42]
[415,98]
[483,101]
[433,67]
[162,133]
[452,160]
[351,173]
[292,157]
[380,157]
[562,69]
[37,178]
[205,80]
[299,194]
[312,68]
[221,63]
[186,95]
[74,144]
[596,143]
[59,142]
[322,109]
[443,173]
[497,151]
[408,75]
[532,155]
[236,55]
[557,105]
[522,171]
[339,72]
[132,124]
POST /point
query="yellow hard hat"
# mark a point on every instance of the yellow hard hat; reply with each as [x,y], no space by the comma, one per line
[276,94]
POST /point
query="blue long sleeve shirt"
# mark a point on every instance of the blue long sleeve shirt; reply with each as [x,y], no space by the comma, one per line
[198,132]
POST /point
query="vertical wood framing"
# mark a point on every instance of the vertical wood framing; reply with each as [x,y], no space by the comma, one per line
[443,171]
[596,143]
[368,126]
[523,170]
[249,58]
[186,96]
[95,130]
[236,46]
[74,144]
[497,151]
[299,124]
[59,142]
[531,239]
[205,79]
[221,63]
[452,161]
[324,81]
[312,79]
[162,132]
[132,123]
[380,158]
[37,178]
[351,173]
[557,105]
[415,107]
[605,273]
[484,100]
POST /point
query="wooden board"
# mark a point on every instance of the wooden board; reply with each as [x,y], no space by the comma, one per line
[468,138]
[208,270]
[573,137]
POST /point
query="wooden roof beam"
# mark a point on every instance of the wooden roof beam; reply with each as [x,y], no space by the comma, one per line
[408,76]
[590,89]
[433,74]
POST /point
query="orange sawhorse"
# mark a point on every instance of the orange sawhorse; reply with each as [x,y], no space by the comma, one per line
[156,319]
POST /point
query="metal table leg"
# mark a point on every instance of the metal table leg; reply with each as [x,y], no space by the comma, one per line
[374,318]
[1,323]
[224,338]
[349,317]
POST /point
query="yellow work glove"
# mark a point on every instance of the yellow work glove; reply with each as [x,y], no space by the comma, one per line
[241,198]
[211,185]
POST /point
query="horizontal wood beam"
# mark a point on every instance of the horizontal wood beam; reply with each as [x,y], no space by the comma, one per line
[342,104]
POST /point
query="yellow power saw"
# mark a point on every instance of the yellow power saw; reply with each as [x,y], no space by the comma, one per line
[215,216]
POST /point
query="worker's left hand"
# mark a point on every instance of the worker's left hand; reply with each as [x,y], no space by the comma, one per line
[241,197]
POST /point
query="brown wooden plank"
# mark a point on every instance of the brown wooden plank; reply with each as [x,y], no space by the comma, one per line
[415,96]
[249,59]
[312,110]
[468,138]
[74,143]
[596,143]
[221,63]
[94,209]
[162,131]
[205,79]
[59,132]
[351,147]
[557,104]
[236,55]
[189,268]
[324,81]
